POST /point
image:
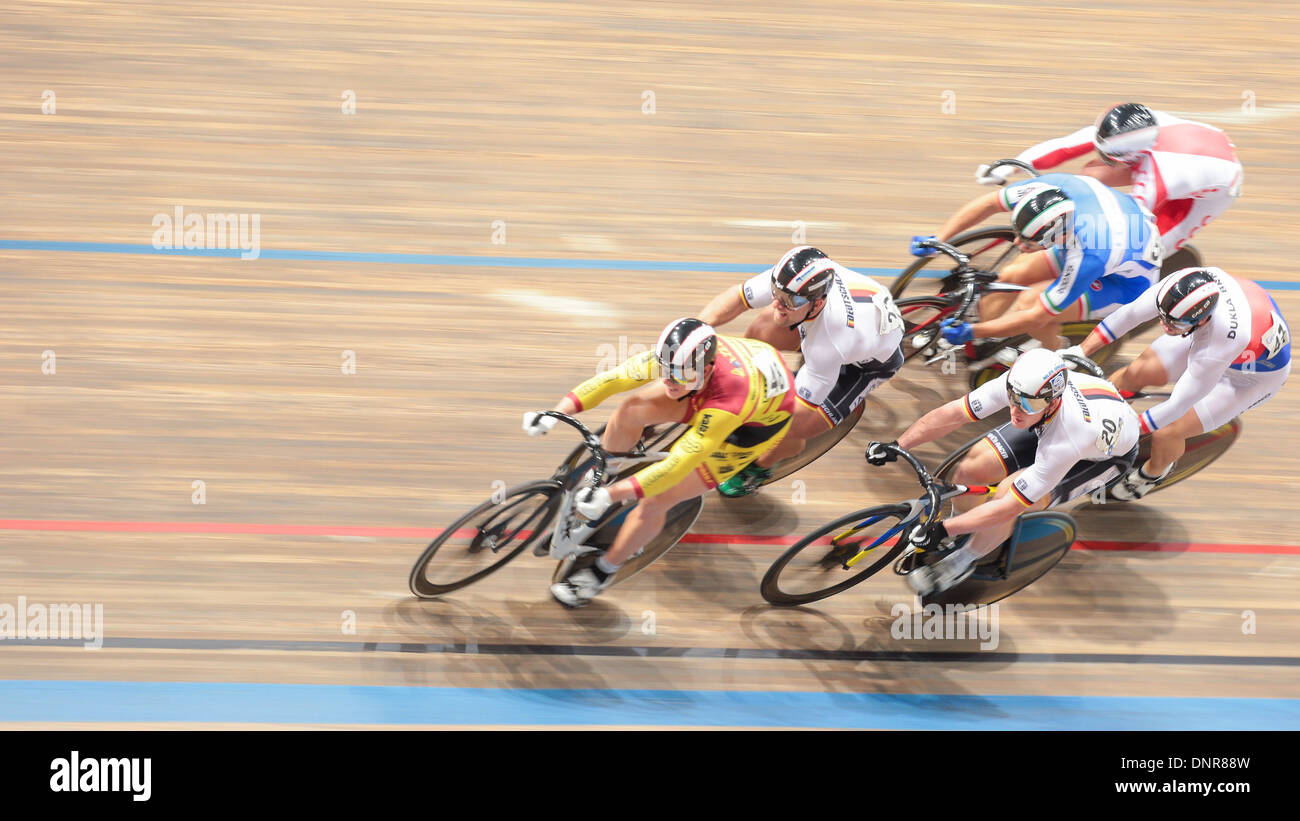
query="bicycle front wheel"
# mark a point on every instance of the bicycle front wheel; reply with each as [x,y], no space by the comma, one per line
[813,569]
[485,539]
[989,249]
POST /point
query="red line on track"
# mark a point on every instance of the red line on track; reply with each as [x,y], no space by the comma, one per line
[371,531]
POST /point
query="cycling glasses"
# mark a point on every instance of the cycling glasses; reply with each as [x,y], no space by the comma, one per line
[1176,326]
[1027,403]
[789,301]
[687,375]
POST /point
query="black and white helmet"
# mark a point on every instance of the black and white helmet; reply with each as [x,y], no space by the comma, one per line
[1124,132]
[685,350]
[804,274]
[1186,299]
[1043,218]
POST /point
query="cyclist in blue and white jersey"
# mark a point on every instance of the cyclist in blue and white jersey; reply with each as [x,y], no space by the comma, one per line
[1102,251]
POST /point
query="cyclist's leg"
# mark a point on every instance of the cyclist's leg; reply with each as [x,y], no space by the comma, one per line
[1235,393]
[1026,269]
[1161,363]
[1115,176]
[645,520]
[765,329]
[1048,330]
[851,389]
[808,421]
[984,542]
[1201,212]
[1003,451]
[649,406]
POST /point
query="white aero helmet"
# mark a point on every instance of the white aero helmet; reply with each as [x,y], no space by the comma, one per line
[1036,380]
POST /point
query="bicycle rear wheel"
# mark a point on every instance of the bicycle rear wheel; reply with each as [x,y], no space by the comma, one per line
[988,248]
[813,568]
[817,446]
[1202,450]
[677,524]
[485,539]
[1041,539]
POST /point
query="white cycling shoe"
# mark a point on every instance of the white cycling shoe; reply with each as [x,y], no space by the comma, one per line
[943,574]
[1136,484]
[578,588]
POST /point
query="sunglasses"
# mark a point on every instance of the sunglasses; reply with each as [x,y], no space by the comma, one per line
[788,300]
[688,376]
[1176,327]
[1026,403]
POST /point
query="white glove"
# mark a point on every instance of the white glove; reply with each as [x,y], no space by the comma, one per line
[1073,350]
[590,503]
[537,425]
[985,175]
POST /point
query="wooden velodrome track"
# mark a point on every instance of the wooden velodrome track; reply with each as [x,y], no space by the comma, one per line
[321,487]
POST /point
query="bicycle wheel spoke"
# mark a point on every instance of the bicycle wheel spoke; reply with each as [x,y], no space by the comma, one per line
[484,540]
[835,557]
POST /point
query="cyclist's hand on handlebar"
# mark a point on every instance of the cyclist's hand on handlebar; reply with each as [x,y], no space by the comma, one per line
[956,332]
[927,538]
[537,425]
[918,251]
[590,503]
[987,175]
[1086,366]
[878,454]
[1073,350]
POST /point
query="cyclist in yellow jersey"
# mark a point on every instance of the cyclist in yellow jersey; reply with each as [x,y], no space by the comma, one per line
[734,393]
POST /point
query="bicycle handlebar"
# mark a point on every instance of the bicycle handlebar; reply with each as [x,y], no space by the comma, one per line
[943,247]
[590,440]
[1085,364]
[1024,166]
[923,476]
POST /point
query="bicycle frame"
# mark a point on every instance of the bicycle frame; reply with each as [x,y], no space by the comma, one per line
[919,506]
[571,529]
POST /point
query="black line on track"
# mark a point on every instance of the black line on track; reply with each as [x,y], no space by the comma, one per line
[660,652]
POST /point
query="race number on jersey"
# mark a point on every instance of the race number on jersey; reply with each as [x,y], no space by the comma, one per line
[774,374]
[890,318]
[1275,338]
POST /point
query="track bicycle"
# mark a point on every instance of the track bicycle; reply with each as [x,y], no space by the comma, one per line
[491,535]
[852,548]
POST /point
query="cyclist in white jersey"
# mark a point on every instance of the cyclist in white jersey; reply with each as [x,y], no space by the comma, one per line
[847,327]
[1226,347]
[1069,434]
[1184,172]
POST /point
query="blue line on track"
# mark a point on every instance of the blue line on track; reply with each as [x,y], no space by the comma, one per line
[464,261]
[121,701]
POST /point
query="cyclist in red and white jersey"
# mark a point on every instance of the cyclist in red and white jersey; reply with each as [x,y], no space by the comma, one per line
[1184,172]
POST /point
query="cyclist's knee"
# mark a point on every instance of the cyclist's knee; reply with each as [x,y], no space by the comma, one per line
[980,467]
[638,410]
[1143,372]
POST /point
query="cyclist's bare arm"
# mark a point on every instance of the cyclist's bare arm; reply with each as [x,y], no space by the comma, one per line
[1121,322]
[970,215]
[939,422]
[708,433]
[1013,322]
[724,307]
